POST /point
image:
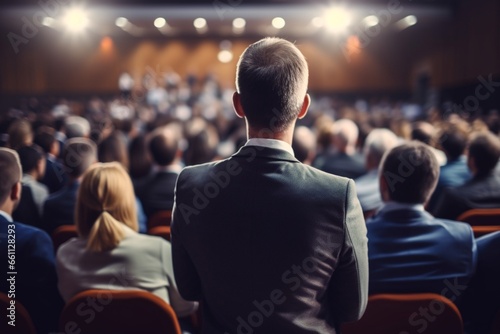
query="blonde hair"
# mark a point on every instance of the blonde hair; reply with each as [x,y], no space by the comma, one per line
[105,201]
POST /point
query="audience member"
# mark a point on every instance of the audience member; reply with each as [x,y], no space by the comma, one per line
[346,161]
[54,177]
[108,245]
[20,134]
[268,222]
[202,140]
[426,133]
[59,208]
[36,280]
[141,165]
[377,143]
[76,126]
[410,250]
[454,173]
[483,190]
[30,208]
[159,191]
[304,145]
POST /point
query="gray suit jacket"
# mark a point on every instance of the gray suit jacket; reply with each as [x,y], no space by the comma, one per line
[269,245]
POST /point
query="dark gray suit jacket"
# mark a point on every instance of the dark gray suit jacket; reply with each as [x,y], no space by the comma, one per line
[269,245]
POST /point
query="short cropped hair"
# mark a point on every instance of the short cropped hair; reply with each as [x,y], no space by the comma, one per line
[45,139]
[77,126]
[411,172]
[163,147]
[30,156]
[378,142]
[11,172]
[453,141]
[484,149]
[78,155]
[271,79]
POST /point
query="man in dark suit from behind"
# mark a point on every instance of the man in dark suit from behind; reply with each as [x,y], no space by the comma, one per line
[158,193]
[346,161]
[35,284]
[410,251]
[59,208]
[54,177]
[483,190]
[268,244]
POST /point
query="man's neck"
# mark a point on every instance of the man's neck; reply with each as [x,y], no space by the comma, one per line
[286,135]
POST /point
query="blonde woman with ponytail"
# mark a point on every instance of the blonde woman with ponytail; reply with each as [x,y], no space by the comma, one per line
[109,253]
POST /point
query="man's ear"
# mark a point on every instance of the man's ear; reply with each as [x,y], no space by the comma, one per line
[305,107]
[238,109]
[384,188]
[15,192]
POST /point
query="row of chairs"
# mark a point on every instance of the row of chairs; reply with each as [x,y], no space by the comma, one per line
[136,311]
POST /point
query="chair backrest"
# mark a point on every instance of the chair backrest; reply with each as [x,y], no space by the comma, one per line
[479,231]
[428,313]
[161,231]
[481,217]
[160,218]
[62,234]
[23,323]
[118,311]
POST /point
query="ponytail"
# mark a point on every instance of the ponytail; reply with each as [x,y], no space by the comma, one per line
[105,234]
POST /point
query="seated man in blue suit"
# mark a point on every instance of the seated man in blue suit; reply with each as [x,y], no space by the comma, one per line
[410,250]
[35,280]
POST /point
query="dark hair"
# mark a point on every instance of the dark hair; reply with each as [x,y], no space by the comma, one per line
[113,148]
[453,142]
[78,155]
[484,149]
[411,172]
[29,157]
[11,172]
[423,132]
[272,79]
[163,147]
[202,140]
[45,139]
[140,159]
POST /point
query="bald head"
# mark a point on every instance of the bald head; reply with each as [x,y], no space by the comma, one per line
[11,173]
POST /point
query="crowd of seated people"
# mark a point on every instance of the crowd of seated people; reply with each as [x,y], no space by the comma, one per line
[144,143]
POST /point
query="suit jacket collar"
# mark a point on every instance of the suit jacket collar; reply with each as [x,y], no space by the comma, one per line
[264,153]
[403,215]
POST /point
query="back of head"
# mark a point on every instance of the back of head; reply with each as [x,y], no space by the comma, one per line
[423,132]
[453,141]
[202,140]
[20,134]
[113,148]
[484,149]
[377,143]
[78,155]
[304,143]
[271,79]
[11,172]
[346,133]
[105,203]
[30,156]
[164,146]
[139,157]
[410,172]
[45,139]
[77,126]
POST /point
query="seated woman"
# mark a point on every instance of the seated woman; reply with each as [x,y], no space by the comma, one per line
[109,253]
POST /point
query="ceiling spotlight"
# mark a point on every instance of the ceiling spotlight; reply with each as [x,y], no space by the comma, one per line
[225,56]
[406,22]
[370,21]
[160,22]
[75,19]
[200,23]
[278,22]
[239,23]
[337,19]
[121,22]
[48,21]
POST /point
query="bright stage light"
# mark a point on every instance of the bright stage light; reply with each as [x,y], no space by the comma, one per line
[225,56]
[200,23]
[160,22]
[239,23]
[48,21]
[75,19]
[318,22]
[406,22]
[121,22]
[370,21]
[337,19]
[278,22]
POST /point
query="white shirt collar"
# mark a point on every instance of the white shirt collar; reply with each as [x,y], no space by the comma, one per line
[393,206]
[6,216]
[270,143]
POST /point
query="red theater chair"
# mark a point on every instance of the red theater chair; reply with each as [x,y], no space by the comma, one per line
[63,234]
[481,217]
[160,218]
[23,322]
